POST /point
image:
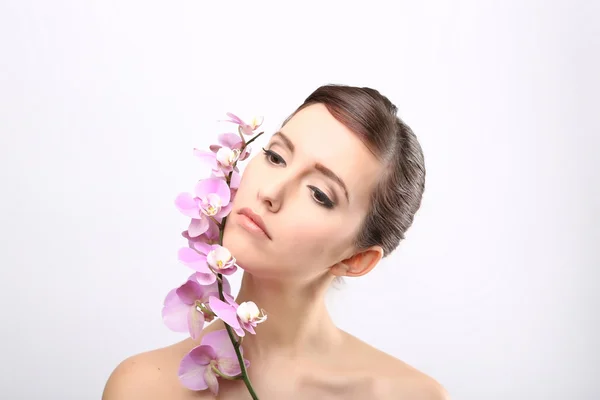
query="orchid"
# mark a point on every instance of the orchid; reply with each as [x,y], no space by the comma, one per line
[207,261]
[245,315]
[222,157]
[212,200]
[246,129]
[186,307]
[207,294]
[215,357]
[211,236]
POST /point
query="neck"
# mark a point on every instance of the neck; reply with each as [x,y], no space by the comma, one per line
[297,318]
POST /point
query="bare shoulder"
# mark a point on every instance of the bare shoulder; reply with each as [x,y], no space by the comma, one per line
[413,386]
[149,375]
[395,379]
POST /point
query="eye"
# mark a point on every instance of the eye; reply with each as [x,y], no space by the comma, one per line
[321,198]
[273,157]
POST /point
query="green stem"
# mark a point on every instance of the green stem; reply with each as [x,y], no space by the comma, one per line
[222,375]
[215,221]
[252,140]
[236,343]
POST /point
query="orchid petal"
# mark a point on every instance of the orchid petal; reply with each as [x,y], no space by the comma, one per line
[189,292]
[202,247]
[172,298]
[193,366]
[187,205]
[229,298]
[217,173]
[257,121]
[226,286]
[203,354]
[229,366]
[230,140]
[198,226]
[210,204]
[193,259]
[212,233]
[245,154]
[206,278]
[212,289]
[224,311]
[225,211]
[213,185]
[236,178]
[193,377]
[211,381]
[207,158]
[234,118]
[214,147]
[228,270]
[175,315]
[249,328]
[220,342]
[195,322]
[227,158]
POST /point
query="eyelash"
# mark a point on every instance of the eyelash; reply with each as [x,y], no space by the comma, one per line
[325,201]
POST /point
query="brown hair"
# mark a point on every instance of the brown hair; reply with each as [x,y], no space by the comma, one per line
[398,193]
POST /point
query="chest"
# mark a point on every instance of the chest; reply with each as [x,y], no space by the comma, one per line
[296,384]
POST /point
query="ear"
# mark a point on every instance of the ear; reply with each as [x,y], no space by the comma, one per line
[359,263]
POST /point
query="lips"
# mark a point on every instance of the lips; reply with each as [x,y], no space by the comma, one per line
[255,218]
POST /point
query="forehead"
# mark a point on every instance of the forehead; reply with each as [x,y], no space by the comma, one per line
[319,137]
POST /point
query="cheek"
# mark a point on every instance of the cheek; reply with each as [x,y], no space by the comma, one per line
[251,177]
[313,237]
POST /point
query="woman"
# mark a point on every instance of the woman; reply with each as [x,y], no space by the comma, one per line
[333,192]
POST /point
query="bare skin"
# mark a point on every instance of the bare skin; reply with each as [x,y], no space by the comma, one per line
[331,376]
[311,219]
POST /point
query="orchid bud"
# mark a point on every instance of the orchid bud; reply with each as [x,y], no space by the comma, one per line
[256,122]
[248,312]
[227,157]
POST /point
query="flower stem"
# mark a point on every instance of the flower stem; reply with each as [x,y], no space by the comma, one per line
[236,345]
[252,140]
[222,375]
[241,134]
[214,220]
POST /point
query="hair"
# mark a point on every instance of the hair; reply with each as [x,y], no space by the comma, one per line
[399,190]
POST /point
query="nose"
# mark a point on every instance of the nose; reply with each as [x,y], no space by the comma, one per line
[271,193]
[270,197]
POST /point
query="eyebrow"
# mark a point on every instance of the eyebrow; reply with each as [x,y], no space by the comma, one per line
[318,166]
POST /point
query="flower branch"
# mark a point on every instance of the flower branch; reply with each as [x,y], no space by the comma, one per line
[207,293]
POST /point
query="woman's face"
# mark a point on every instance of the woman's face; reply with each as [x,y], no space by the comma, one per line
[310,219]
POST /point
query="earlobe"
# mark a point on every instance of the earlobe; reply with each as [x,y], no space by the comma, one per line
[339,269]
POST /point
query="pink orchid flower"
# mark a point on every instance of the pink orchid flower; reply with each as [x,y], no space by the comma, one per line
[221,162]
[211,236]
[207,261]
[239,317]
[197,368]
[222,157]
[232,142]
[186,308]
[246,129]
[213,198]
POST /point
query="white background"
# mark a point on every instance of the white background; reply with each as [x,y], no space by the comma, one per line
[494,291]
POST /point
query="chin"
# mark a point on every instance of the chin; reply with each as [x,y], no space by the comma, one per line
[248,255]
